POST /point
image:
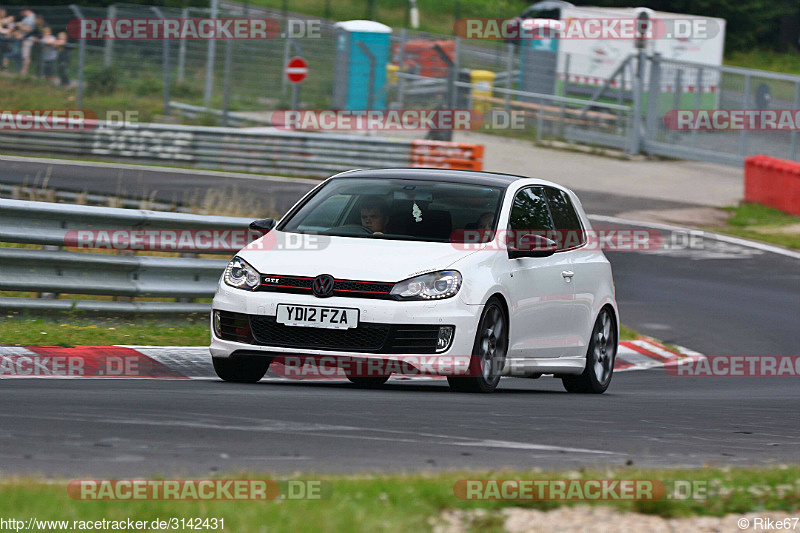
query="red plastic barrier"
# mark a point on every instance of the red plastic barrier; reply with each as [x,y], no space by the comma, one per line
[444,154]
[773,182]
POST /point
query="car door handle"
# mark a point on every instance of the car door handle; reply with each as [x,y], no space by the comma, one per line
[567,274]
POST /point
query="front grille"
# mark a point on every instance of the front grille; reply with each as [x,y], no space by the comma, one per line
[364,338]
[341,287]
[367,337]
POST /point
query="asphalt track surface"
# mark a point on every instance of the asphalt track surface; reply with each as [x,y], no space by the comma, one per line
[720,300]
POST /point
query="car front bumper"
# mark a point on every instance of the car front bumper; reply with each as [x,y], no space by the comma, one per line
[447,312]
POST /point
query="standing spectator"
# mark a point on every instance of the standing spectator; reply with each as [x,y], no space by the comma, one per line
[49,54]
[15,51]
[62,58]
[31,33]
[6,31]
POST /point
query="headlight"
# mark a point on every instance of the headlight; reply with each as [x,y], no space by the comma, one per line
[241,275]
[433,286]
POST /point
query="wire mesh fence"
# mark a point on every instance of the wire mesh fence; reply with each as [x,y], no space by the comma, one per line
[205,79]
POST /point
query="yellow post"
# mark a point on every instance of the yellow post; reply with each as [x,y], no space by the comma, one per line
[391,72]
[484,80]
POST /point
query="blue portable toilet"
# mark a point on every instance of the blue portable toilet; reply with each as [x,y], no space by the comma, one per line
[352,66]
[538,59]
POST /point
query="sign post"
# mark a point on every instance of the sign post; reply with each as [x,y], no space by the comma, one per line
[296,71]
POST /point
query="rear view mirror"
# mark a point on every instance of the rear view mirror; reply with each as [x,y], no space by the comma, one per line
[263,224]
[531,245]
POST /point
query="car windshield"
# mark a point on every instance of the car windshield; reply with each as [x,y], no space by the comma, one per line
[399,209]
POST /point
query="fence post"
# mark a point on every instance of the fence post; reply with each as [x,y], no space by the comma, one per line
[451,81]
[540,122]
[212,48]
[164,64]
[654,91]
[81,66]
[743,133]
[108,51]
[401,82]
[450,89]
[638,89]
[676,98]
[182,49]
[698,93]
[286,44]
[564,87]
[793,135]
[509,70]
[227,82]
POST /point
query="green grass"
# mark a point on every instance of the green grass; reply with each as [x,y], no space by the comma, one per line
[407,502]
[762,223]
[70,329]
[35,93]
[765,60]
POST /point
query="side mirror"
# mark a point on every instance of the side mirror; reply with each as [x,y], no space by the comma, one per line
[263,224]
[532,245]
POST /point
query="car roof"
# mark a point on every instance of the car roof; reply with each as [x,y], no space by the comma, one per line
[472,177]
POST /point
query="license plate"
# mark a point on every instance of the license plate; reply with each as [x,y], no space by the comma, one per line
[312,316]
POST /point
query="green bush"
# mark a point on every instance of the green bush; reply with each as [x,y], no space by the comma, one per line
[101,80]
[148,84]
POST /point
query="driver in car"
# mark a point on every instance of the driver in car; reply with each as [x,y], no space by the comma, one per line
[375,216]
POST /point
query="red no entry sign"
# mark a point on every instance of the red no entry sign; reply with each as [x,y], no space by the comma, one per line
[296,70]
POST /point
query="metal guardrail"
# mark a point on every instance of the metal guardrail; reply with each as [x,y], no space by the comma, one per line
[262,150]
[69,272]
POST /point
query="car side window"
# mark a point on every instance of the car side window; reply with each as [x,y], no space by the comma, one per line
[529,211]
[566,219]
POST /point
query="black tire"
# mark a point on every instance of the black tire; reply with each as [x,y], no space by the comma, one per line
[600,357]
[241,369]
[488,352]
[371,382]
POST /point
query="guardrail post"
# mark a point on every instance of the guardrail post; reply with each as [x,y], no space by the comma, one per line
[50,295]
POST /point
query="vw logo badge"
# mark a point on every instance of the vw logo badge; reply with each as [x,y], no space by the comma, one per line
[323,286]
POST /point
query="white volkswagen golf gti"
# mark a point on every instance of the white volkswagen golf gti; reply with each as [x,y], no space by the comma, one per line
[452,265]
